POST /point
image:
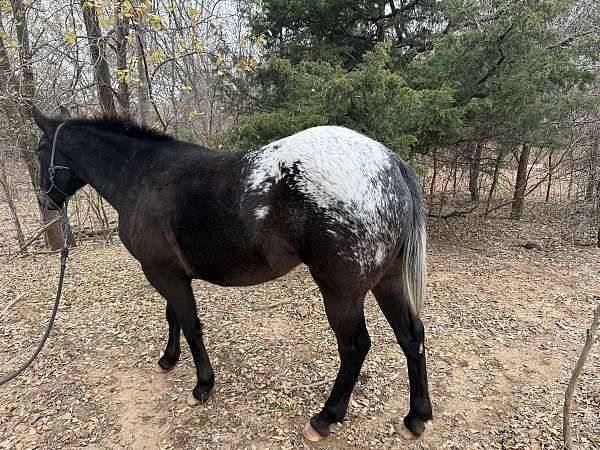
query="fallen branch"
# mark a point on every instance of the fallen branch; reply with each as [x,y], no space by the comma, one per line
[11,304]
[455,213]
[35,236]
[101,232]
[589,340]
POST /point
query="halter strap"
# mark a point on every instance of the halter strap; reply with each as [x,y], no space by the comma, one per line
[52,168]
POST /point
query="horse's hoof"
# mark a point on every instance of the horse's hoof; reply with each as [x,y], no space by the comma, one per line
[406,433]
[160,370]
[192,401]
[310,434]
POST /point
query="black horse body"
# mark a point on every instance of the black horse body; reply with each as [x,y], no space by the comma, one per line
[328,197]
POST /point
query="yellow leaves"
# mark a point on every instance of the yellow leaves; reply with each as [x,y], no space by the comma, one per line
[193,114]
[125,76]
[128,9]
[244,43]
[137,10]
[198,45]
[218,58]
[71,37]
[155,21]
[260,41]
[249,65]
[107,21]
[194,14]
[157,55]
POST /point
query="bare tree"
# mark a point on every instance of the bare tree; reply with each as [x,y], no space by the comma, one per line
[8,191]
[520,183]
[98,54]
[19,110]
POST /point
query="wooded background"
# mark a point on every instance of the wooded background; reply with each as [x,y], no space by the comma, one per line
[494,103]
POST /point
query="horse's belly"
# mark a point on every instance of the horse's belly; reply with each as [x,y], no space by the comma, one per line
[245,270]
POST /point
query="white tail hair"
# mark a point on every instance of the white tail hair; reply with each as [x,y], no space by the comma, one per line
[414,251]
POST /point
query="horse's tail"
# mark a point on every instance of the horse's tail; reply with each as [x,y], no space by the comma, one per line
[414,257]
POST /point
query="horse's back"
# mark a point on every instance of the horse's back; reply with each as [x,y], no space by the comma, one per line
[341,194]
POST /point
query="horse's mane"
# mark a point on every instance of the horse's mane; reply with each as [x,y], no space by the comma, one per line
[125,127]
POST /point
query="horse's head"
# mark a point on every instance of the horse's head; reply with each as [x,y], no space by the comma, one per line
[57,181]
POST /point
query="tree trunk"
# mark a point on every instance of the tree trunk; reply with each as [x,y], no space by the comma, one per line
[454,174]
[20,113]
[380,33]
[520,184]
[592,171]
[494,180]
[474,168]
[433,175]
[11,200]
[572,166]
[98,54]
[143,94]
[121,31]
[549,177]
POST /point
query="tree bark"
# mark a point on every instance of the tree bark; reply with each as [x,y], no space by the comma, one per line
[11,200]
[433,176]
[520,184]
[494,180]
[474,168]
[143,94]
[121,32]
[592,180]
[380,26]
[549,177]
[98,54]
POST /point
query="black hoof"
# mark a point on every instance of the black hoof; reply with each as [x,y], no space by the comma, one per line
[167,363]
[416,425]
[320,424]
[200,394]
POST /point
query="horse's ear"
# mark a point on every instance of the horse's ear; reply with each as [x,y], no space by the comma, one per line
[65,114]
[46,124]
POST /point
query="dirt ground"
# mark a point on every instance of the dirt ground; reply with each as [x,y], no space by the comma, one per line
[504,328]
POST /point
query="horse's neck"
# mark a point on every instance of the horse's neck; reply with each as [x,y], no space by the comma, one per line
[104,161]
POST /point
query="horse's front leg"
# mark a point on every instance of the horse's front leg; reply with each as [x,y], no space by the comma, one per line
[176,288]
[173,349]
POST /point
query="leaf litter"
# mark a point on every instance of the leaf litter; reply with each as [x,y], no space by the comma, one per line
[504,328]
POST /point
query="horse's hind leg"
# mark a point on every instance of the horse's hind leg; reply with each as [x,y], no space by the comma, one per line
[177,290]
[410,334]
[345,314]
[173,349]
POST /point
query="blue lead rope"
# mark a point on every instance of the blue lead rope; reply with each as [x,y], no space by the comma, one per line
[64,254]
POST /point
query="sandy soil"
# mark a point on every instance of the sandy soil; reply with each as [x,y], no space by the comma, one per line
[504,328]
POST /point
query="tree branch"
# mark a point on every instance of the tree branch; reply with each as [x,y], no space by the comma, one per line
[589,340]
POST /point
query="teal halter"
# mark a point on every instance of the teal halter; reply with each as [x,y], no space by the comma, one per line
[52,168]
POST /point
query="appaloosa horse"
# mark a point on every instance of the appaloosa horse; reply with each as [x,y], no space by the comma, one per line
[331,198]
